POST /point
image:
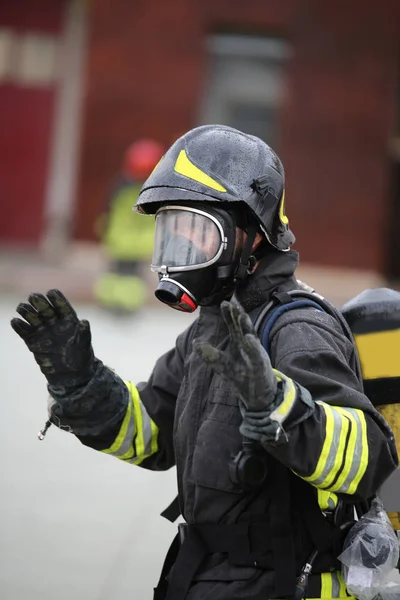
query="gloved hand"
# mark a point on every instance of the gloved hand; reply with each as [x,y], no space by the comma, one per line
[245,363]
[59,341]
[266,396]
[86,396]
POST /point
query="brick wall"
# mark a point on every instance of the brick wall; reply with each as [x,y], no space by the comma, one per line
[336,128]
[144,78]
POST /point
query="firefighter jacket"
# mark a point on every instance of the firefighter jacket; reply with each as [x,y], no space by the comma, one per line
[185,415]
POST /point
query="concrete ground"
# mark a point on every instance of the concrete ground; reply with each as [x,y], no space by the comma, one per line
[76,524]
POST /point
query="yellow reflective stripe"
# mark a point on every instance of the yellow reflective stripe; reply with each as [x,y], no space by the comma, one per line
[353,486]
[356,454]
[138,435]
[327,500]
[139,440]
[342,586]
[326,448]
[378,353]
[334,448]
[119,440]
[342,450]
[346,454]
[146,441]
[289,397]
[283,218]
[185,167]
[332,587]
[154,438]
[326,585]
[350,453]
[339,453]
[156,165]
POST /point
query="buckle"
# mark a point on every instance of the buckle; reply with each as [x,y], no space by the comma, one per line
[183,531]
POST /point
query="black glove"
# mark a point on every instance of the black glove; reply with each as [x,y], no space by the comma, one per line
[59,341]
[87,397]
[245,362]
[266,396]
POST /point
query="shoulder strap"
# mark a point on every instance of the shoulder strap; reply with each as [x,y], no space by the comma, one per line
[291,300]
[273,314]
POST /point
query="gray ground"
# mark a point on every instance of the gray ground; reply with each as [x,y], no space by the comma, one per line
[76,524]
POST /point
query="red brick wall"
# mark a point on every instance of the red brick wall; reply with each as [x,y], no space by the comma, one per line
[26,120]
[336,127]
[144,77]
[145,69]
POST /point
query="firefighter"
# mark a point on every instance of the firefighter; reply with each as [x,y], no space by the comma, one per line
[126,238]
[273,452]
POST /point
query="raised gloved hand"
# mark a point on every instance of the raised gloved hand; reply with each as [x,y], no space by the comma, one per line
[266,395]
[245,362]
[59,341]
[86,396]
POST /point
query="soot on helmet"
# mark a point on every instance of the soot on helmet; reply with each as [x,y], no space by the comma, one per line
[194,255]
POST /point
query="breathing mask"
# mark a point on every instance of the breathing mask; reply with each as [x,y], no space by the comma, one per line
[195,255]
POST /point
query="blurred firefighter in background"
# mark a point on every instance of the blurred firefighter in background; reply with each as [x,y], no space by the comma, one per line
[126,237]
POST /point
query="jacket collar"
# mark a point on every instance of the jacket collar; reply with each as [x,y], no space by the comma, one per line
[274,272]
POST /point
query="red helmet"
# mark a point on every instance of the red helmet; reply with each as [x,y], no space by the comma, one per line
[140,159]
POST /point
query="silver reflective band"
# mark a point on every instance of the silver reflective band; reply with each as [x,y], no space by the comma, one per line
[212,245]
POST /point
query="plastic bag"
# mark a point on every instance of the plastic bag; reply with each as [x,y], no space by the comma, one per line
[371,552]
[390,591]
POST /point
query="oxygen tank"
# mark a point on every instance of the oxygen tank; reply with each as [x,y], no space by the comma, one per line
[374,318]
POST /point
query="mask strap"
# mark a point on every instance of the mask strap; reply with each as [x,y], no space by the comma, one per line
[246,262]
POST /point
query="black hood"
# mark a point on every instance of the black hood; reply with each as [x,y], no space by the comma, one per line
[275,271]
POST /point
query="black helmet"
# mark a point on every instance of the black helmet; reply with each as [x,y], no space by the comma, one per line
[219,164]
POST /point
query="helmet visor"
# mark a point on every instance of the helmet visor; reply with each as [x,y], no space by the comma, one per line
[185,239]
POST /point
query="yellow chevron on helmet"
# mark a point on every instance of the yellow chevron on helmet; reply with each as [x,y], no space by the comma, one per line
[185,167]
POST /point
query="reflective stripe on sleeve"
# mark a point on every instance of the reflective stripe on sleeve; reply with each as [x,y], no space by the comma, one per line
[289,396]
[356,460]
[333,587]
[137,437]
[344,455]
[326,500]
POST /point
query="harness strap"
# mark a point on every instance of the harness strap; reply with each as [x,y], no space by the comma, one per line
[317,524]
[196,542]
[173,511]
[190,556]
[284,556]
[246,544]
[160,592]
[279,311]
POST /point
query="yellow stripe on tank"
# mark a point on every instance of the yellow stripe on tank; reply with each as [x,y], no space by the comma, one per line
[379,354]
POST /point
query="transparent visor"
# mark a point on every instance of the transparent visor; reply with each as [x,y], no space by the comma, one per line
[185,239]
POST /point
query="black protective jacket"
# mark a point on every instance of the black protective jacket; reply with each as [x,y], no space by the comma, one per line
[198,419]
